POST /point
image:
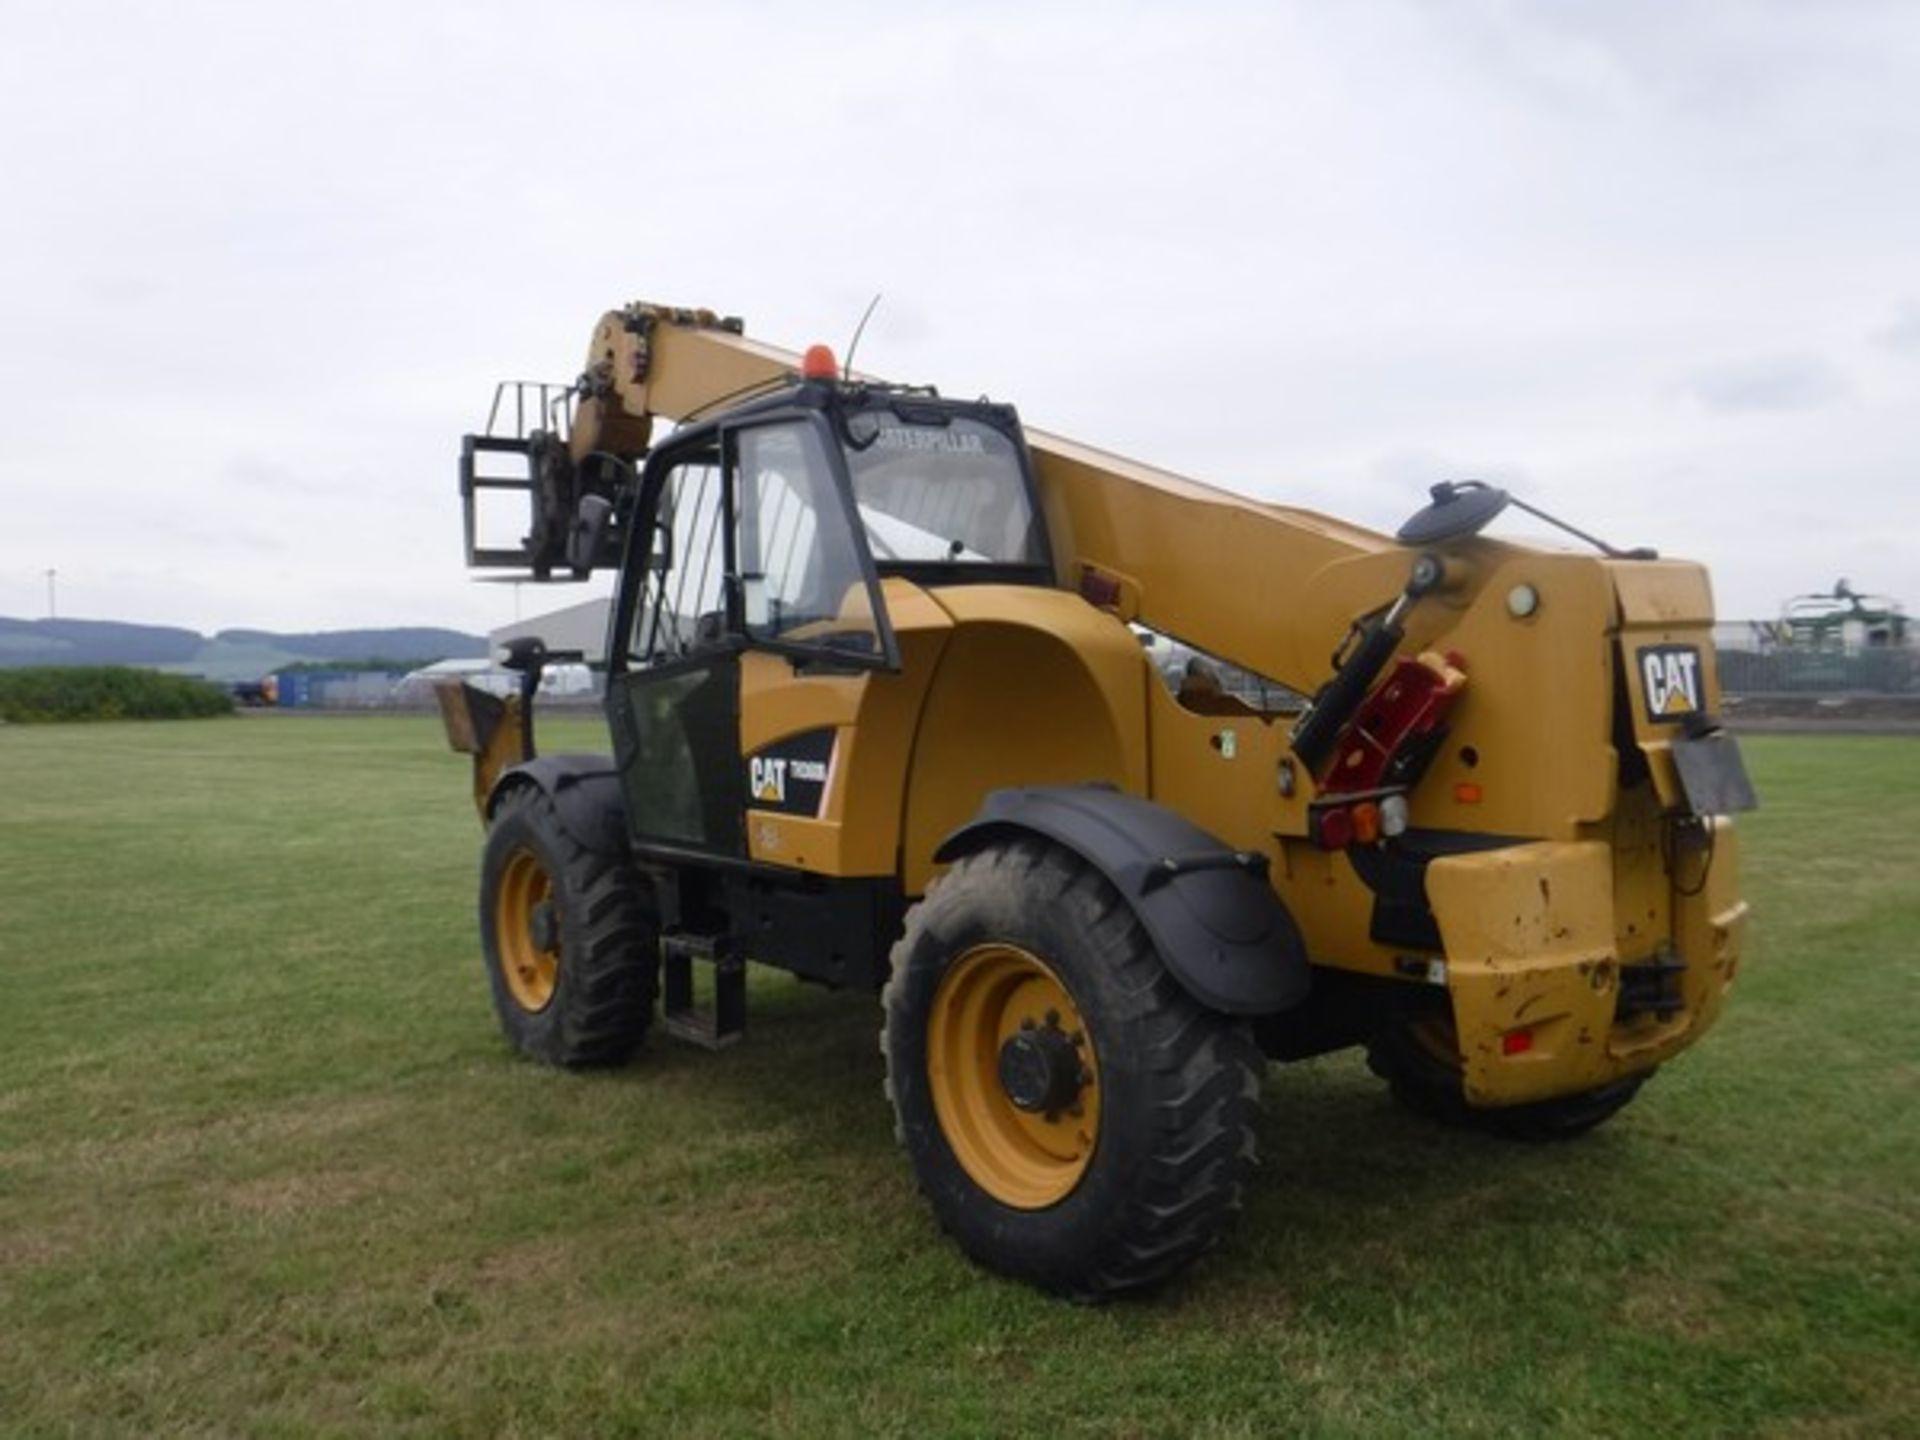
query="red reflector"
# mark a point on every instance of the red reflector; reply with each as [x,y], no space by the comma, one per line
[1516,1042]
[1468,793]
[818,364]
[1334,829]
[1098,589]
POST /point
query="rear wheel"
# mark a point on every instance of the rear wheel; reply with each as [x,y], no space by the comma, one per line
[570,953]
[1420,1061]
[1075,1119]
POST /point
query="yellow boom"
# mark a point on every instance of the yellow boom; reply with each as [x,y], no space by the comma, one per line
[1135,525]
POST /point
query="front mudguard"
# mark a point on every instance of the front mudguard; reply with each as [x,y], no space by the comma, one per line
[585,790]
[1220,929]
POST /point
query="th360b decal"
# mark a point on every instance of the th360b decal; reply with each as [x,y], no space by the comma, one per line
[790,775]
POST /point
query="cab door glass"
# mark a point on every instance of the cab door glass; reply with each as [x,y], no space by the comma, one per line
[802,579]
[674,710]
[682,609]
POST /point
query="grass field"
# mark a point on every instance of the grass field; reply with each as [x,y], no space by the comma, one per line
[267,1168]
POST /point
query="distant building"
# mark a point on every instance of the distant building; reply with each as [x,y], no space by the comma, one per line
[581,627]
[417,687]
[331,689]
[557,682]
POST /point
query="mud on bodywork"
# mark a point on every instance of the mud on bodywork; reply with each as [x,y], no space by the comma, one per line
[1533,942]
[1574,963]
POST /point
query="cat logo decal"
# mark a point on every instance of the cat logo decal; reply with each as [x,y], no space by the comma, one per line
[793,774]
[1670,678]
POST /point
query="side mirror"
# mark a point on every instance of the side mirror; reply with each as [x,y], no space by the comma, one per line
[1456,509]
[661,553]
[753,602]
[524,653]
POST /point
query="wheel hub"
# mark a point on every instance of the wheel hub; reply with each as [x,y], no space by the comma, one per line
[1040,1069]
[1015,1076]
[543,926]
[527,926]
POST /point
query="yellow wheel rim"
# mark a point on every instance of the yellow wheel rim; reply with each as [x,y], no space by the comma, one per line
[1026,1158]
[523,908]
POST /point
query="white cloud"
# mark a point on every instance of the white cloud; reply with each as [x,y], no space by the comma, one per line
[263,263]
[1902,334]
[1769,383]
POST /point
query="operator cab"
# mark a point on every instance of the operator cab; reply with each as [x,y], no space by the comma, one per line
[771,527]
[767,532]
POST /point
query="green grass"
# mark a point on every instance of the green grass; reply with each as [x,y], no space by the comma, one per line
[267,1168]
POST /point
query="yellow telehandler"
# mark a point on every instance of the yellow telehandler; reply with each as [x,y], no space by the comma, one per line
[1114,785]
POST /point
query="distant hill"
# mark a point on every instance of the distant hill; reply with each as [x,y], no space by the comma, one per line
[94,642]
[229,655]
[421,641]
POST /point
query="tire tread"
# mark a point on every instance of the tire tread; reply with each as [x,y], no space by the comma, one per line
[609,979]
[1202,1144]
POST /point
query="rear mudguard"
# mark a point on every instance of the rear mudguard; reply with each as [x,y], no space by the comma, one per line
[585,789]
[1222,933]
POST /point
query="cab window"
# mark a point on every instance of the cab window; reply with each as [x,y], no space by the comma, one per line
[683,602]
[802,581]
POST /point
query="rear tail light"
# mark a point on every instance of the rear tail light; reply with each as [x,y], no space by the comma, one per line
[1393,815]
[1333,828]
[1362,822]
[1516,1042]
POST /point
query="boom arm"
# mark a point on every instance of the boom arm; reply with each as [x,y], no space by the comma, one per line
[1122,530]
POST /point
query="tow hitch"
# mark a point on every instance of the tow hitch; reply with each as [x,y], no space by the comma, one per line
[1651,987]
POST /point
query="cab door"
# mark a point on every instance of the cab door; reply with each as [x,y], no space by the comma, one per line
[806,581]
[745,543]
[673,694]
[815,628]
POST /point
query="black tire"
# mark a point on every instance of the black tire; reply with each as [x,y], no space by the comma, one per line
[600,957]
[1174,1093]
[1404,1054]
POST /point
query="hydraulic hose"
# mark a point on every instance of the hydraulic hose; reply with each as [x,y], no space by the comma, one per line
[1318,731]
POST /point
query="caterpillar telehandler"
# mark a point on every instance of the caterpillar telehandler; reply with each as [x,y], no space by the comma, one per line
[1114,785]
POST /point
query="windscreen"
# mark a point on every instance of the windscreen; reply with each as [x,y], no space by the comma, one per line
[943,491]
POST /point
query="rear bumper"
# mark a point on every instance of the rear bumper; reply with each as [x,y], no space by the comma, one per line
[1533,951]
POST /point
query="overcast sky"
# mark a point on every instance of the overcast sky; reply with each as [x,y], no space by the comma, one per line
[1656,265]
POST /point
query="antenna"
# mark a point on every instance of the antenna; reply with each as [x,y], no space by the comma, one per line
[846,370]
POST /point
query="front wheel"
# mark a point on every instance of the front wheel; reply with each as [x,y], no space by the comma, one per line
[1420,1061]
[1075,1119]
[571,956]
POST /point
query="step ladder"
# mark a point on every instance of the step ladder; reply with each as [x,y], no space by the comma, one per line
[724,1021]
